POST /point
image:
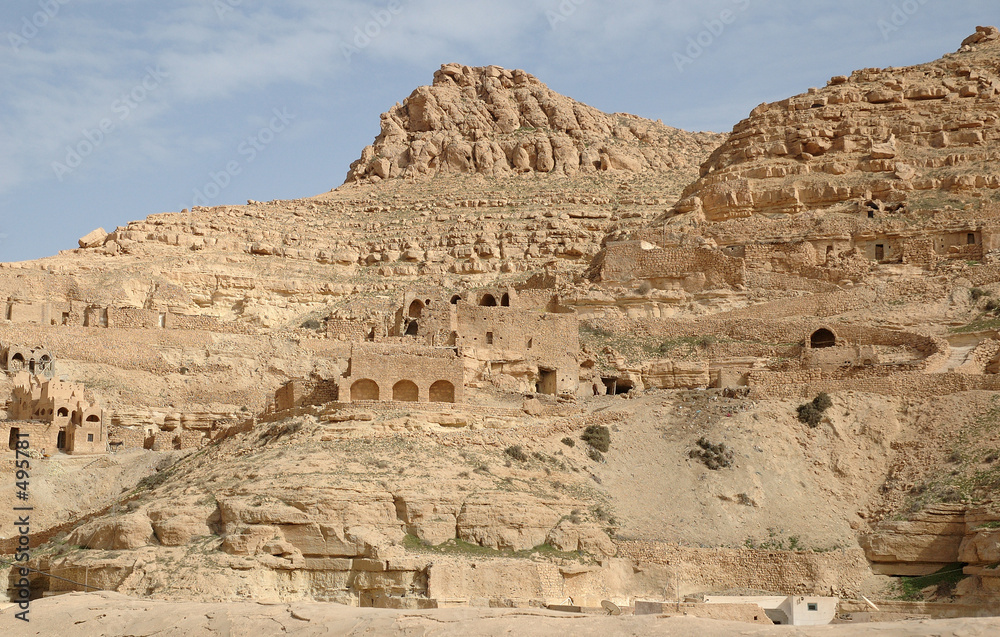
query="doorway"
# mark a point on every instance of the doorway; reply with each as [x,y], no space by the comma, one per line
[547,382]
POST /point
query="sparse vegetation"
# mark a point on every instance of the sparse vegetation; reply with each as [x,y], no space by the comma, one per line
[569,442]
[516,453]
[811,413]
[598,437]
[714,456]
[912,588]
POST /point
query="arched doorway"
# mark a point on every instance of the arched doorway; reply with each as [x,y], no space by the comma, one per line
[412,329]
[455,299]
[416,308]
[405,391]
[488,300]
[364,390]
[822,338]
[442,392]
[505,300]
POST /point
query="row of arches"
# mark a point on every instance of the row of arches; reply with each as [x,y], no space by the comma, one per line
[416,307]
[405,391]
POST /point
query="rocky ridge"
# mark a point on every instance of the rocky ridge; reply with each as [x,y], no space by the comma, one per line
[904,136]
[499,122]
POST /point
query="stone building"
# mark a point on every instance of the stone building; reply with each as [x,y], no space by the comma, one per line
[36,360]
[520,340]
[56,415]
[404,374]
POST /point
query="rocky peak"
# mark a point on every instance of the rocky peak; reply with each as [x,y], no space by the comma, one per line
[911,136]
[497,122]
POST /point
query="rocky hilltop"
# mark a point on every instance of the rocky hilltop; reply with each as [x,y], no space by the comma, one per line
[498,122]
[908,136]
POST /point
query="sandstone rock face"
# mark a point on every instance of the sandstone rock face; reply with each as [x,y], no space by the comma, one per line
[895,134]
[507,521]
[118,533]
[918,546]
[499,122]
[668,374]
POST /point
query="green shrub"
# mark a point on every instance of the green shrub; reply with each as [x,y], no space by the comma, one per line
[811,413]
[517,453]
[569,442]
[977,293]
[822,401]
[311,324]
[714,456]
[598,437]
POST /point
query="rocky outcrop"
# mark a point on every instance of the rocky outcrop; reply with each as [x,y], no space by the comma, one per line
[499,122]
[939,536]
[892,135]
[928,541]
[669,374]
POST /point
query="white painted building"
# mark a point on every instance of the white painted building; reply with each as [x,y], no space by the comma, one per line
[793,610]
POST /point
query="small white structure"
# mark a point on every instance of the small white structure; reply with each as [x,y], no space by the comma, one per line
[793,610]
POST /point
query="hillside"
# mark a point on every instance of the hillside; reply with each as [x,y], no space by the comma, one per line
[526,353]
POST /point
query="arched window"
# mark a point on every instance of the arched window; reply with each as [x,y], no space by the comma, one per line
[822,338]
[455,299]
[63,412]
[364,390]
[442,392]
[488,300]
[505,300]
[416,308]
[16,363]
[93,418]
[405,391]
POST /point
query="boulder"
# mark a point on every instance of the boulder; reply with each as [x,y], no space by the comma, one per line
[93,239]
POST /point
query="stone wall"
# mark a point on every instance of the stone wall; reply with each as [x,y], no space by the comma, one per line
[690,268]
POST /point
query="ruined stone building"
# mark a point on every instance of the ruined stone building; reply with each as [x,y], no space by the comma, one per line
[35,360]
[56,415]
[519,340]
[404,374]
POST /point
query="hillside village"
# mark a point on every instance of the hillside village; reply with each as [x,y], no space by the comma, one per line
[534,355]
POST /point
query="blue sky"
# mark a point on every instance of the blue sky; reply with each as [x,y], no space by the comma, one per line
[111,110]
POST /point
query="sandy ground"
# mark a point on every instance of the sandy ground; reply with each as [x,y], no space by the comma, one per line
[111,614]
